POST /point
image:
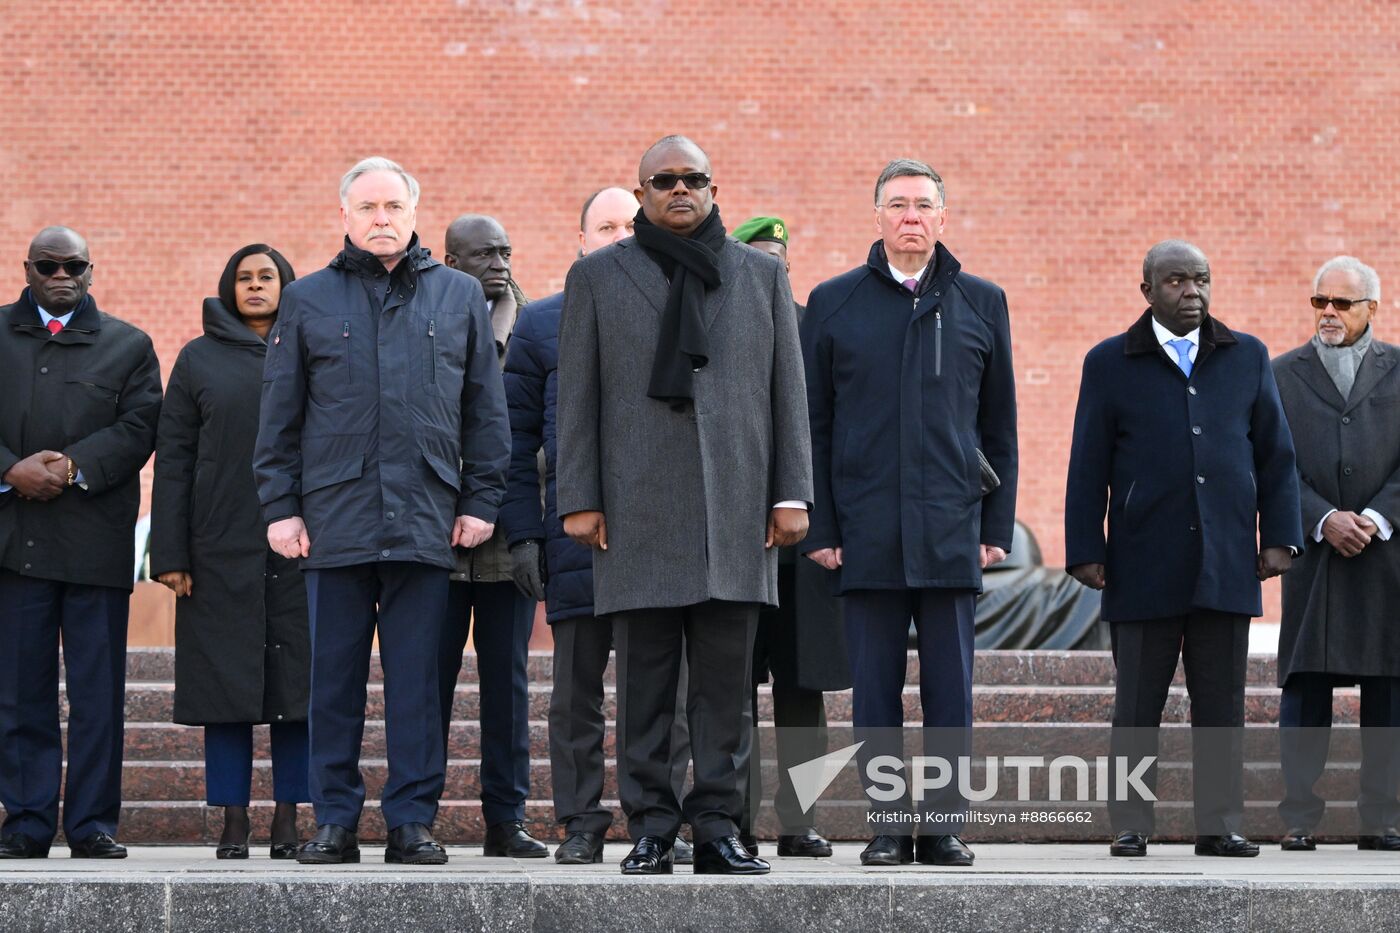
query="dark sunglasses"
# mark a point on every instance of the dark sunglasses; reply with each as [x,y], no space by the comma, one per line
[666,181]
[47,267]
[1320,302]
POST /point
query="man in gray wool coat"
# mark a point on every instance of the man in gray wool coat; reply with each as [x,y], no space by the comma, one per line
[685,462]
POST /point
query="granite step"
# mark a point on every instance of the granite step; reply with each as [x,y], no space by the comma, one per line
[1069,668]
[460,822]
[155,781]
[163,741]
[154,702]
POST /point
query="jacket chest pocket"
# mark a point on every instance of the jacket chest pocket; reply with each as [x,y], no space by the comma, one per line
[330,351]
[89,404]
[443,350]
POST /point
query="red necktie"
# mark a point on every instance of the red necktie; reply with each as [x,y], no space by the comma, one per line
[55,325]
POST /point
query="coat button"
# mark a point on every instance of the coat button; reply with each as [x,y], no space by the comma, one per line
[384,553]
[43,370]
[1194,528]
[1200,478]
[1191,390]
[279,716]
[1346,419]
[389,516]
[28,566]
[29,544]
[1346,470]
[1196,429]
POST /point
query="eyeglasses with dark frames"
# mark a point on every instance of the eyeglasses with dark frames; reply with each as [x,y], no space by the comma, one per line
[1320,302]
[666,181]
[48,267]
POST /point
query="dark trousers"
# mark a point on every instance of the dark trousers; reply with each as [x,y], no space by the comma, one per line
[411,600]
[577,725]
[91,620]
[503,620]
[799,720]
[1214,649]
[877,640]
[228,763]
[799,715]
[716,638]
[1305,721]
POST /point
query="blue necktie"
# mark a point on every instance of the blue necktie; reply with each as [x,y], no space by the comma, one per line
[1182,346]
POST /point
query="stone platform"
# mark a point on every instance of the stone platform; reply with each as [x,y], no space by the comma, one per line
[1012,888]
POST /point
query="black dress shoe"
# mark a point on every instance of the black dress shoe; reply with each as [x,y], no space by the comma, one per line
[806,844]
[332,845]
[889,850]
[98,845]
[1387,841]
[943,850]
[581,848]
[727,856]
[1130,843]
[652,855]
[1298,840]
[682,853]
[1231,845]
[18,845]
[282,850]
[750,842]
[510,840]
[413,844]
[232,850]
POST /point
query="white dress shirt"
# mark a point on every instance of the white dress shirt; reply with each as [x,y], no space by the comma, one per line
[1165,337]
[902,277]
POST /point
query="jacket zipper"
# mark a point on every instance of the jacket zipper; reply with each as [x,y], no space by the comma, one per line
[432,348]
[938,343]
[349,370]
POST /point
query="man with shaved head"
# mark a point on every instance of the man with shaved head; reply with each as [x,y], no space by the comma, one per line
[684,463]
[1181,441]
[482,597]
[82,398]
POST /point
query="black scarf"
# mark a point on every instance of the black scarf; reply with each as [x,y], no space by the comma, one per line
[692,265]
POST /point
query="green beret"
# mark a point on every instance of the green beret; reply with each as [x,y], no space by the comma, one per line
[761,228]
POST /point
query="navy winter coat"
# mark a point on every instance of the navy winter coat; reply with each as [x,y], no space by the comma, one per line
[532,389]
[1196,475]
[902,392]
[383,413]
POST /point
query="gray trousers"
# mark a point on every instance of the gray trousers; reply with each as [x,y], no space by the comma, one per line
[577,725]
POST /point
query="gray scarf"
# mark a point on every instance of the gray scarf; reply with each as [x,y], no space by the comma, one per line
[1342,363]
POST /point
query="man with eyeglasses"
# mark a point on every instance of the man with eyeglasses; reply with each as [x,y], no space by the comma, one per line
[1180,439]
[82,397]
[383,442]
[910,389]
[684,462]
[484,600]
[1341,391]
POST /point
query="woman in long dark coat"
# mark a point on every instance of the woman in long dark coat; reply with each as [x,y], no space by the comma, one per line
[242,641]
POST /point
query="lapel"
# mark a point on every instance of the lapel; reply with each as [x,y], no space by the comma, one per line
[83,327]
[1142,339]
[644,273]
[1374,366]
[731,261]
[1307,366]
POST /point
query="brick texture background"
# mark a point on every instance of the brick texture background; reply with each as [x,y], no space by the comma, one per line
[1071,135]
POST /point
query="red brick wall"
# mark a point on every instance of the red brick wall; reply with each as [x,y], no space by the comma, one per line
[1071,136]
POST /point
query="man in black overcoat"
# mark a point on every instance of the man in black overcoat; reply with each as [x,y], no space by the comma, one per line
[383,442]
[1180,438]
[81,394]
[1341,391]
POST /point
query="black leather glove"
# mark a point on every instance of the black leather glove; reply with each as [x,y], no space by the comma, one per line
[527,568]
